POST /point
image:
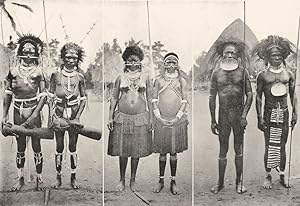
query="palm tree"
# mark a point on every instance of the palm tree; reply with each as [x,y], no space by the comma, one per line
[3,9]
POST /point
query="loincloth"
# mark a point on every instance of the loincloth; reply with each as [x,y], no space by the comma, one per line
[130,136]
[276,120]
[171,139]
[23,109]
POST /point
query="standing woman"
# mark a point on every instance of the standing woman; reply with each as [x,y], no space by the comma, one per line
[130,116]
[170,130]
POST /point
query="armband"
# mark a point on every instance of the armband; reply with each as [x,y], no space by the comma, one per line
[9,92]
[42,94]
[184,101]
[156,113]
[83,98]
[179,114]
[154,100]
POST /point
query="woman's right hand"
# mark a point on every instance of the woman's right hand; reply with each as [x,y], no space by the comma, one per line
[110,124]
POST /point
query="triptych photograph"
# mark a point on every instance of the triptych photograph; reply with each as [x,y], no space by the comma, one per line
[149,102]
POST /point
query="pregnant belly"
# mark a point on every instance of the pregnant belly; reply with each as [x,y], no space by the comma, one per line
[169,104]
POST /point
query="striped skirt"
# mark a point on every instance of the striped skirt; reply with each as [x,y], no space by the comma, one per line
[130,136]
[276,134]
[171,139]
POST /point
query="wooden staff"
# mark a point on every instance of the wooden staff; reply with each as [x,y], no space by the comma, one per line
[291,138]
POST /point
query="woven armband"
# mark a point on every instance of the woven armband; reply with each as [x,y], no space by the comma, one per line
[179,114]
[154,100]
[9,92]
[156,113]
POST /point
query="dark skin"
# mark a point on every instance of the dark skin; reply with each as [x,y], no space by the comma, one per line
[56,87]
[230,87]
[265,81]
[168,114]
[30,118]
[130,102]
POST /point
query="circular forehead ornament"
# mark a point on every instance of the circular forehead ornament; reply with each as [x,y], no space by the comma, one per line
[28,47]
[278,89]
[229,64]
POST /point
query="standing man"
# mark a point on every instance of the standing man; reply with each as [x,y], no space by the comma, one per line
[170,130]
[67,87]
[276,82]
[230,80]
[25,86]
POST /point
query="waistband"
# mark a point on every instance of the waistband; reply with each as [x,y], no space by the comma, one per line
[136,119]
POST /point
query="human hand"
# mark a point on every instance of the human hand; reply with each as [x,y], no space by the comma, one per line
[261,124]
[243,122]
[294,120]
[214,128]
[110,125]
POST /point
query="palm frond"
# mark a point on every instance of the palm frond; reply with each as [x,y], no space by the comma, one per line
[24,6]
[13,24]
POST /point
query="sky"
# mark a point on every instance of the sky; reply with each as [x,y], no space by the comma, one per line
[186,27]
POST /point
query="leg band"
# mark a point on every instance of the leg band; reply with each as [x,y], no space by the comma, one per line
[38,160]
[58,162]
[173,177]
[74,160]
[20,159]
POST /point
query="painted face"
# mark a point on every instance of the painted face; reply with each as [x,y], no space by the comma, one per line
[275,57]
[171,64]
[71,59]
[133,63]
[28,53]
[230,51]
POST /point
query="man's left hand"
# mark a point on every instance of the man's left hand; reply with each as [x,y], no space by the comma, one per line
[243,122]
[294,120]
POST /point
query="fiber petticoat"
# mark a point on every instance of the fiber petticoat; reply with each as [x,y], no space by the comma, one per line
[171,139]
[130,136]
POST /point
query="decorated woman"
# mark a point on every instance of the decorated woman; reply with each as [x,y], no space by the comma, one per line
[130,116]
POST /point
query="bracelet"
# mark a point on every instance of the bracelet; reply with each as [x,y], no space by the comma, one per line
[179,114]
[9,92]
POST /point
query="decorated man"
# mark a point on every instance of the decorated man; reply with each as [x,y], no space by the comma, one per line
[230,80]
[130,116]
[25,86]
[67,88]
[170,130]
[276,82]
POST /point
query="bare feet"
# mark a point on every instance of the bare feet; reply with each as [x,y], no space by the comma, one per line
[159,186]
[282,182]
[217,188]
[18,185]
[121,186]
[240,189]
[132,185]
[268,182]
[58,182]
[74,183]
[174,189]
[40,184]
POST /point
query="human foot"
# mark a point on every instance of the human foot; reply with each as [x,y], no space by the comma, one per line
[217,188]
[282,182]
[132,185]
[240,189]
[268,182]
[121,186]
[58,182]
[18,185]
[174,189]
[159,186]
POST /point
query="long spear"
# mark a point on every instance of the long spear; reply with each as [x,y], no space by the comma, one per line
[46,33]
[291,138]
[244,90]
[149,39]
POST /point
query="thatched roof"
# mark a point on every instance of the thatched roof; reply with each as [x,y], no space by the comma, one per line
[234,31]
